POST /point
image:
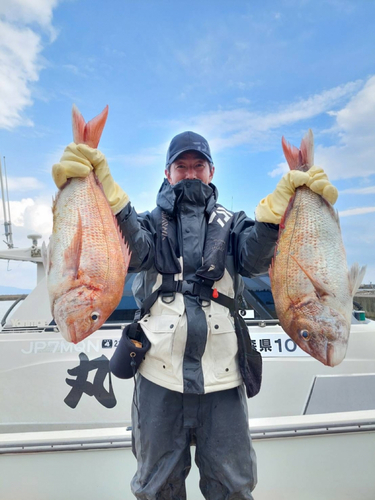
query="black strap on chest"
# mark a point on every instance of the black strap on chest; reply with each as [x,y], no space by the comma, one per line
[249,359]
[169,287]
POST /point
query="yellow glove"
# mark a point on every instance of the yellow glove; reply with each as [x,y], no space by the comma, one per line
[78,160]
[72,164]
[272,208]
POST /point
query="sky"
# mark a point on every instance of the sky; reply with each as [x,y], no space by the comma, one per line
[241,73]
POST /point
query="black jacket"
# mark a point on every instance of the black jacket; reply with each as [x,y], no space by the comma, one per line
[193,348]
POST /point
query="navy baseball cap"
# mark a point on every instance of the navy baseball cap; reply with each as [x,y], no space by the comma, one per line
[187,141]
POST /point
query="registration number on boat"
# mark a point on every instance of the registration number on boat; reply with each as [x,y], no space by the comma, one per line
[272,345]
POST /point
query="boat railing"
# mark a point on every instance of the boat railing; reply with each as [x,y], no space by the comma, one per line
[120,437]
[17,298]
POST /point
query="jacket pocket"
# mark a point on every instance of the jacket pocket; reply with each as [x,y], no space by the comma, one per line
[223,345]
[160,330]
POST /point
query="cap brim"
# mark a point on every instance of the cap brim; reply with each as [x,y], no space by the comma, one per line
[176,155]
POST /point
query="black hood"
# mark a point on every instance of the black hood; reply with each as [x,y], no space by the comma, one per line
[192,191]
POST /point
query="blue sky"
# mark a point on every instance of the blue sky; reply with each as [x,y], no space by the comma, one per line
[241,73]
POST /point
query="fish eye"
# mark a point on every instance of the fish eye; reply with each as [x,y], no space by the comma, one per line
[95,316]
[305,334]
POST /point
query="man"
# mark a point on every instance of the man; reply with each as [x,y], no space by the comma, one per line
[190,252]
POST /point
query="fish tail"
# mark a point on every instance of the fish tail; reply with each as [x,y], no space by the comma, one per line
[356,276]
[303,158]
[88,133]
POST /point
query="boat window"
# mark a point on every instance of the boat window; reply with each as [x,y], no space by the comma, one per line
[127,307]
[258,296]
[266,299]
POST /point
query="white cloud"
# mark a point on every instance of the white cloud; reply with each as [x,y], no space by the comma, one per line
[30,216]
[282,168]
[17,210]
[235,127]
[28,11]
[20,48]
[354,154]
[356,211]
[38,217]
[366,190]
[24,184]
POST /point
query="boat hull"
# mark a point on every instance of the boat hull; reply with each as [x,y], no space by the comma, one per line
[48,372]
[303,457]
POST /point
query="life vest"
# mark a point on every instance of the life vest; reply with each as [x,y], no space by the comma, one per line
[212,269]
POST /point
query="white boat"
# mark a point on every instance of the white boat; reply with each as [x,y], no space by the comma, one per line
[313,426]
[325,457]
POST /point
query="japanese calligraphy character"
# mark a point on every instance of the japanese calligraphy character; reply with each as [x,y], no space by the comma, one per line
[80,385]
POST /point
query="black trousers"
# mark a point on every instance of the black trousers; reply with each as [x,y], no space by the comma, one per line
[166,423]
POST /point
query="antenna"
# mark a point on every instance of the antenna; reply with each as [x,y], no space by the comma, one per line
[7,221]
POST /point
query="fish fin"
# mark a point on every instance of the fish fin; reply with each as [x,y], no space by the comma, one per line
[356,276]
[45,257]
[54,202]
[72,255]
[303,158]
[126,252]
[337,218]
[321,288]
[286,213]
[88,133]
[46,252]
[270,269]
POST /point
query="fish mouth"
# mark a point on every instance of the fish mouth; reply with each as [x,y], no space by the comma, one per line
[67,331]
[335,354]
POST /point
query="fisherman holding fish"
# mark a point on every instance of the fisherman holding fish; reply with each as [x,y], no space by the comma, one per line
[190,253]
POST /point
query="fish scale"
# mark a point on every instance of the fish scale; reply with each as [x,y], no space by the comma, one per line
[312,236]
[87,258]
[311,285]
[80,193]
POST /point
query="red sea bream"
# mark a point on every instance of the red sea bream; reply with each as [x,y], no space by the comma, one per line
[87,258]
[311,284]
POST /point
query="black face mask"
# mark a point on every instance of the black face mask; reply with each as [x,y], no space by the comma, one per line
[192,191]
[201,194]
